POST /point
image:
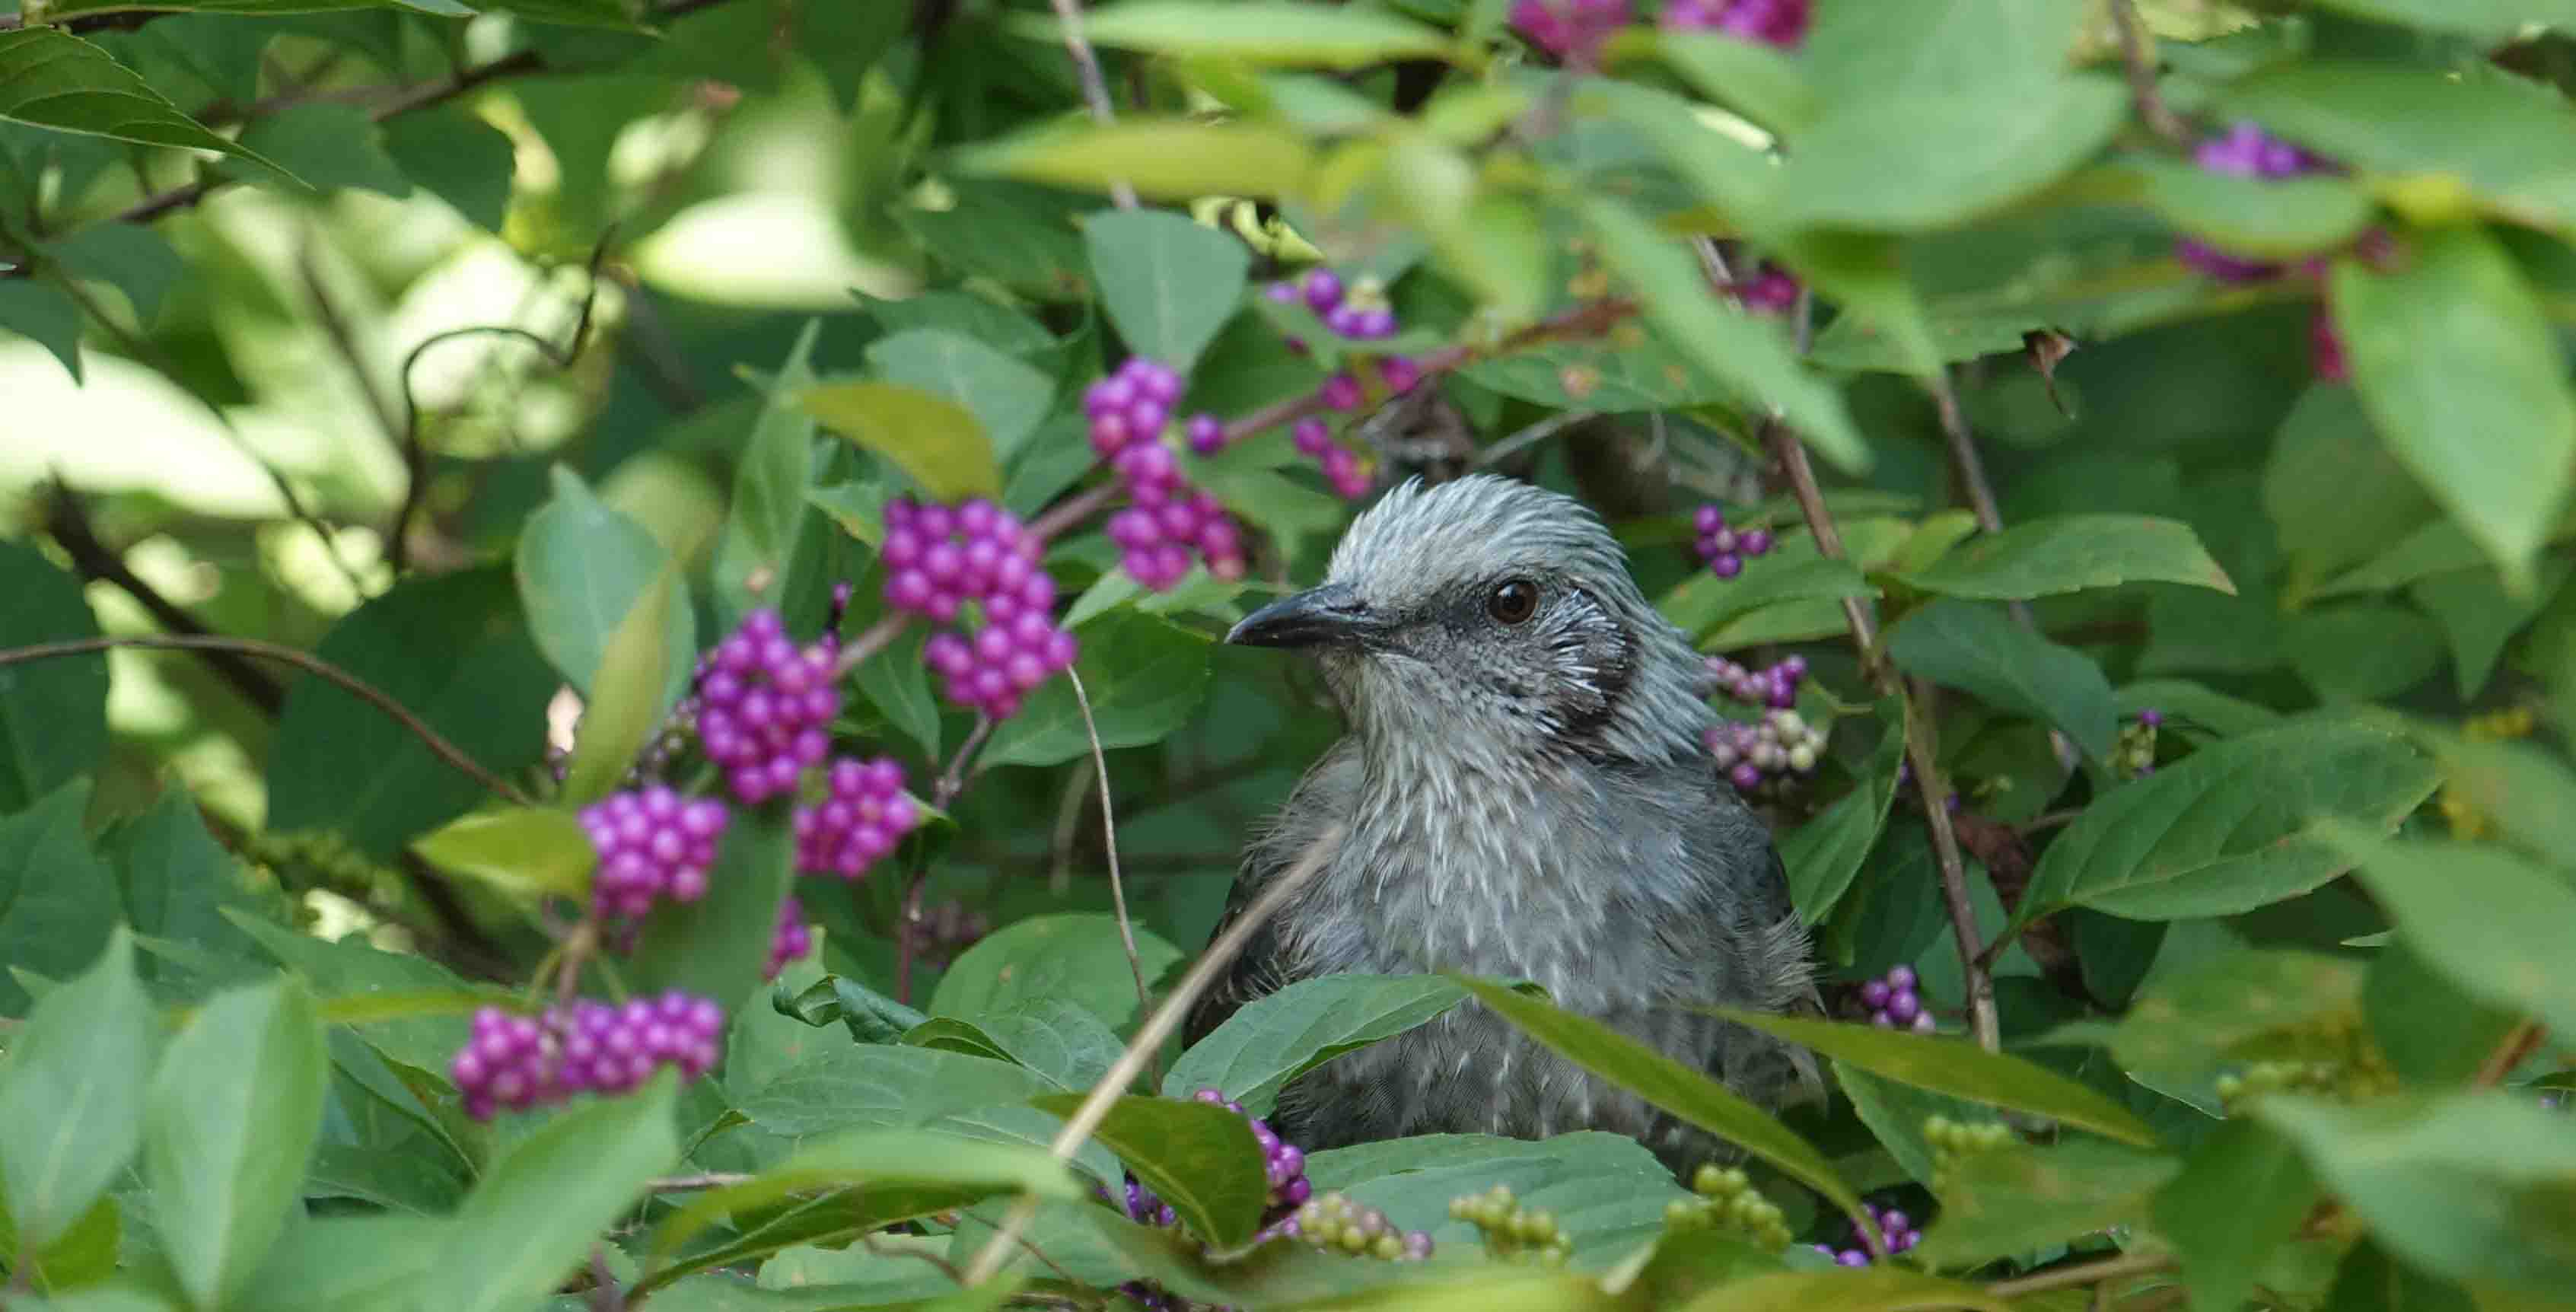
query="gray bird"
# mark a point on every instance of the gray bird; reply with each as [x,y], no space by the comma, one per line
[1523,793]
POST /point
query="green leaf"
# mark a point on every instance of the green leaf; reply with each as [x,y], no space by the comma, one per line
[870,1016]
[1254,31]
[2433,1035]
[58,900]
[1895,1114]
[1607,1192]
[2265,218]
[931,438]
[326,148]
[2230,827]
[771,483]
[1163,159]
[41,312]
[2361,651]
[2332,489]
[2019,1199]
[236,1106]
[1749,354]
[2486,920]
[2189,705]
[460,158]
[2474,1186]
[1168,284]
[1198,1156]
[527,850]
[72,1095]
[53,713]
[2370,1281]
[1076,957]
[632,687]
[582,569]
[1823,854]
[2528,793]
[453,649]
[403,1028]
[1883,1288]
[346,1264]
[56,80]
[1703,603]
[1761,83]
[538,1210]
[2492,19]
[2452,356]
[715,947]
[941,1169]
[883,1086]
[85,1255]
[2243,1193]
[1930,159]
[1957,1068]
[138,262]
[1274,1039]
[2245,1005]
[897,683]
[1145,676]
[2069,553]
[2478,616]
[1055,1037]
[1006,395]
[1976,649]
[1666,1083]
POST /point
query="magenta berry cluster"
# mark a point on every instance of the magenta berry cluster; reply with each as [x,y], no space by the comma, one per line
[2245,150]
[864,812]
[1155,540]
[652,844]
[939,558]
[1774,685]
[1896,1232]
[1569,29]
[1722,547]
[1360,315]
[792,941]
[764,704]
[1341,465]
[519,1062]
[1170,521]
[1774,747]
[1781,23]
[1284,1162]
[1771,290]
[1891,1002]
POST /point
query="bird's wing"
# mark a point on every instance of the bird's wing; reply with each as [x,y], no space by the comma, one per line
[1749,923]
[1320,801]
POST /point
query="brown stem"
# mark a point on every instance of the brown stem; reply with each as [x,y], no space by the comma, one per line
[1109,840]
[2518,1044]
[875,638]
[306,661]
[2138,52]
[2080,1274]
[68,523]
[1095,91]
[952,781]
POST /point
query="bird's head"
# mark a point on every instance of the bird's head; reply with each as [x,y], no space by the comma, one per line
[1489,613]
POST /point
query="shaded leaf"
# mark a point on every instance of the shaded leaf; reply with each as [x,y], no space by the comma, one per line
[1167,283]
[1145,676]
[53,713]
[2486,920]
[1054,1037]
[57,898]
[56,80]
[1198,1156]
[2069,553]
[1823,854]
[1080,958]
[72,1095]
[235,1108]
[883,1086]
[582,568]
[538,1210]
[716,947]
[895,1163]
[1977,649]
[2243,1193]
[1273,1039]
[2019,1199]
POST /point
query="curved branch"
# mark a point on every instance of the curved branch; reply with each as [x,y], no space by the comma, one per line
[303,660]
[1109,840]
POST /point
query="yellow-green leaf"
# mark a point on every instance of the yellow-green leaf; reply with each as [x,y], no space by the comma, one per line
[524,849]
[931,437]
[625,696]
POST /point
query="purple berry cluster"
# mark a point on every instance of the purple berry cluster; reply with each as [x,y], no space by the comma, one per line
[1170,521]
[1773,748]
[1722,548]
[863,814]
[651,844]
[1891,1002]
[2245,150]
[939,558]
[1285,1162]
[1569,29]
[1361,316]
[1775,685]
[591,1047]
[764,704]
[1341,465]
[1771,290]
[793,940]
[1781,23]
[1896,1231]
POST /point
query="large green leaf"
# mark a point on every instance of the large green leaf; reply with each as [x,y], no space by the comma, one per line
[55,80]
[930,437]
[2252,1006]
[583,567]
[1606,1191]
[771,481]
[525,849]
[1145,676]
[883,1086]
[2230,827]
[1163,159]
[1276,1038]
[72,1095]
[715,947]
[539,1209]
[1749,354]
[350,971]
[1256,31]
[1957,1068]
[2069,553]
[1823,854]
[1703,603]
[629,692]
[359,1263]
[1080,958]
[2490,922]
[2492,19]
[53,713]
[2474,1186]
[1977,649]
[1055,1037]
[1005,394]
[2240,1196]
[888,1164]
[1882,1288]
[1200,1157]
[454,650]
[57,899]
[2452,355]
[2267,217]
[2018,1199]
[235,1109]
[2529,794]
[1934,159]
[1678,1089]
[1167,283]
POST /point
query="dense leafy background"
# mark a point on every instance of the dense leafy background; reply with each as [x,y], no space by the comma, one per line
[504,356]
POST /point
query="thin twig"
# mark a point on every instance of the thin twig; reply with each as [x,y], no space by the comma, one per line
[306,661]
[2518,1044]
[2083,1273]
[1531,436]
[1109,840]
[1990,516]
[68,522]
[952,780]
[1068,821]
[680,1184]
[876,1245]
[871,640]
[605,1296]
[2138,52]
[1151,1035]
[1095,91]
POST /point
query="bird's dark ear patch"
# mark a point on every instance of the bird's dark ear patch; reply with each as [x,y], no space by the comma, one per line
[1594,703]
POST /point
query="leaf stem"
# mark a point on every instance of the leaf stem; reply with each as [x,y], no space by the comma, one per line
[2138,53]
[1109,840]
[2083,1273]
[1095,90]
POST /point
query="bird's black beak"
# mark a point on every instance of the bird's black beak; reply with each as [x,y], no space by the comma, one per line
[1330,615]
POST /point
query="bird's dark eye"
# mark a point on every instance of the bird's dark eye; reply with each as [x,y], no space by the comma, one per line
[1513,602]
